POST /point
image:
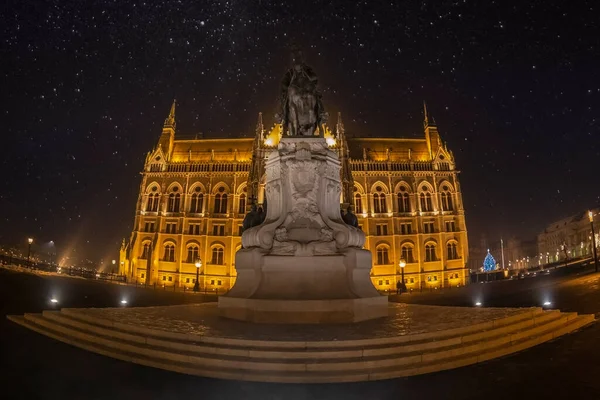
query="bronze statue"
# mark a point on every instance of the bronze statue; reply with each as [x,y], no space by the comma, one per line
[301,111]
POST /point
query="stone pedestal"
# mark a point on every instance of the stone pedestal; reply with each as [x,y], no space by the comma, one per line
[303,264]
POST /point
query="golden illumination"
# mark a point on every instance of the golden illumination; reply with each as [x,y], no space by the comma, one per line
[330,141]
[30,240]
[591,216]
[268,142]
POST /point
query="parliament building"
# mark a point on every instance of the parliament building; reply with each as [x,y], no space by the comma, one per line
[195,193]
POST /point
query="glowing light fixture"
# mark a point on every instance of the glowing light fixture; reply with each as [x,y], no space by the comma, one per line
[268,142]
[330,141]
[478,304]
[547,303]
[123,301]
[53,300]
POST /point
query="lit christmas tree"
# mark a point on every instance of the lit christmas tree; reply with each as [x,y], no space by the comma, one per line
[489,264]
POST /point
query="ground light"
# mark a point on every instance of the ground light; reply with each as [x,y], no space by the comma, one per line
[478,304]
[124,302]
[547,303]
[53,300]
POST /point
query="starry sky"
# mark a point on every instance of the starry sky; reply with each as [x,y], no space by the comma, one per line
[514,87]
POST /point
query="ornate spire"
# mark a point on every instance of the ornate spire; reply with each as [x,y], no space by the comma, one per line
[260,128]
[170,121]
[339,126]
[425,115]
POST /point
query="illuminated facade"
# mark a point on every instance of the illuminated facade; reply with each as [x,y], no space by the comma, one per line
[194,195]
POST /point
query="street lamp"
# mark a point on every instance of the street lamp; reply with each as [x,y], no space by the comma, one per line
[591,216]
[113,267]
[198,265]
[30,241]
[402,264]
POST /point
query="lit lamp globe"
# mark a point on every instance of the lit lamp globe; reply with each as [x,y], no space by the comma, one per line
[198,264]
[30,240]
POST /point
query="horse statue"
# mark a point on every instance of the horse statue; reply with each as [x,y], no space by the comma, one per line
[301,111]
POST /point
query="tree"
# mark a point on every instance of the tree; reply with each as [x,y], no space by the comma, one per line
[489,263]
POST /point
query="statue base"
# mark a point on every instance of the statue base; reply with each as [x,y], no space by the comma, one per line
[303,290]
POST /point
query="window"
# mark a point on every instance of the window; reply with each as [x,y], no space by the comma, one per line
[452,251]
[149,227]
[379,205]
[170,279]
[242,205]
[153,200]
[194,229]
[428,227]
[218,229]
[406,228]
[412,280]
[164,278]
[145,251]
[169,253]
[380,282]
[430,253]
[197,201]
[240,230]
[174,201]
[407,253]
[358,203]
[387,281]
[217,256]
[403,200]
[382,255]
[429,278]
[171,227]
[192,254]
[425,199]
[142,276]
[187,280]
[221,201]
[212,281]
[382,229]
[450,226]
[446,199]
[218,283]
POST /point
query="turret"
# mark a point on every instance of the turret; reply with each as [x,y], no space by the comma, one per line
[168,133]
[432,135]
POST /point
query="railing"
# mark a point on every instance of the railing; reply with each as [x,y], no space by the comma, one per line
[375,166]
[206,167]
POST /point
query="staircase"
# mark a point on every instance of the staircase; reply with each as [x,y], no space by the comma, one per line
[305,362]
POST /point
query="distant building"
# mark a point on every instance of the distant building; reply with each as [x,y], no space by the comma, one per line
[517,253]
[194,194]
[569,237]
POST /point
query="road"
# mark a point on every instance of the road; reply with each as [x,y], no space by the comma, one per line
[38,367]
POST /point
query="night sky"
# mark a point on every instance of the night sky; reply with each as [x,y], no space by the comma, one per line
[86,85]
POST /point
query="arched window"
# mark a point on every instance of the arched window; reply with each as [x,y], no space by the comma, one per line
[382,255]
[407,254]
[447,204]
[358,203]
[217,255]
[242,205]
[169,252]
[145,251]
[220,201]
[379,205]
[174,201]
[403,201]
[452,251]
[196,201]
[430,252]
[425,198]
[153,200]
[192,254]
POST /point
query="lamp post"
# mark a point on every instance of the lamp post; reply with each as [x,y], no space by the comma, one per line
[198,265]
[30,241]
[591,216]
[113,266]
[402,264]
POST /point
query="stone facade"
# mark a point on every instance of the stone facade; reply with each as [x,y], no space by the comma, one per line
[569,237]
[194,194]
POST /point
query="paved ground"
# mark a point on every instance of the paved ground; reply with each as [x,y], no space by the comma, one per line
[37,367]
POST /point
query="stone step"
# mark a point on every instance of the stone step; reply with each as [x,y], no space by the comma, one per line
[434,349]
[570,324]
[376,346]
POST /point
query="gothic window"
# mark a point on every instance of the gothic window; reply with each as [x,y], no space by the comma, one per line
[196,201]
[217,255]
[407,253]
[174,201]
[220,201]
[192,254]
[430,252]
[153,199]
[446,195]
[169,252]
[145,251]
[425,199]
[382,255]
[242,205]
[403,201]
[452,251]
[379,205]
[358,203]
